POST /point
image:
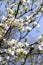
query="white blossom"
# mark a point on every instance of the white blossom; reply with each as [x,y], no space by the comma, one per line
[7,57]
[35,23]
[12,52]
[18,50]
[28,28]
[24,0]
[0,58]
[19,43]
[12,42]
[42,9]
[40,48]
[9,50]
[38,26]
[41,43]
[40,37]
[26,44]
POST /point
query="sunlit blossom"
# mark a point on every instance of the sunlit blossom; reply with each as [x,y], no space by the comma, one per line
[40,48]
[18,50]
[28,28]
[35,23]
[0,58]
[12,52]
[12,42]
[7,57]
[38,25]
[26,44]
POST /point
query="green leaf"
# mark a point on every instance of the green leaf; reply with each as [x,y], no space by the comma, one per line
[0,52]
[41,10]
[31,48]
[25,39]
[15,12]
[24,7]
[4,63]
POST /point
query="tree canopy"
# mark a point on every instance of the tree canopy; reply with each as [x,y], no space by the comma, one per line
[17,19]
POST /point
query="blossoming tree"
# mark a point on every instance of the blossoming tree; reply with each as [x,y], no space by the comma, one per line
[22,17]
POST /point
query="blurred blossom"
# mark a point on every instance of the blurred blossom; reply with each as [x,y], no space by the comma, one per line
[0,58]
[12,42]
[0,35]
[38,26]
[9,50]
[12,52]
[4,17]
[18,50]
[40,48]
[26,44]
[35,23]
[19,43]
[28,28]
[42,9]
[41,43]
[24,0]
[8,57]
[40,36]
